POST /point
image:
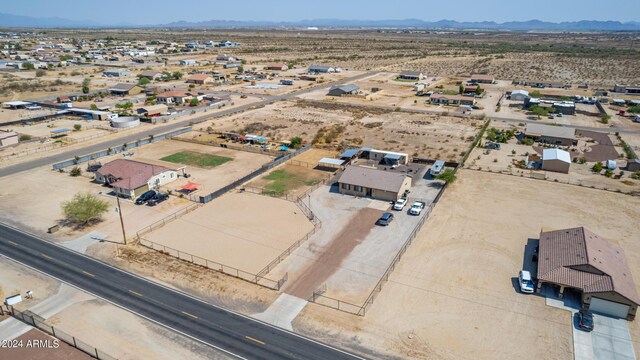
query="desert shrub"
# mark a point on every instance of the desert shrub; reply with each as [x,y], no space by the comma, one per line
[597,167]
[24,137]
[84,208]
[76,171]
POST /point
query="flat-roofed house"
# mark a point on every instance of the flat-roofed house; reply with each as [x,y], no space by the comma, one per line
[577,259]
[445,99]
[377,184]
[130,178]
[549,134]
[321,69]
[482,79]
[116,73]
[277,66]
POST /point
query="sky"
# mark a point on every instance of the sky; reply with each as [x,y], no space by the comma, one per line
[143,12]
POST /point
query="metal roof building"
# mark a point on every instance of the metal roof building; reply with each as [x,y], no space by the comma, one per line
[580,260]
[378,184]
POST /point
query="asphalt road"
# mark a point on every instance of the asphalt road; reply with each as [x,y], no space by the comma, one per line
[52,159]
[236,335]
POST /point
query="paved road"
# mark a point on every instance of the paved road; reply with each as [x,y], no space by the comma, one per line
[28,165]
[234,334]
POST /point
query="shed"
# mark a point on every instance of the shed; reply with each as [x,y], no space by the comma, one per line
[556,160]
[349,154]
[519,95]
[341,90]
[330,163]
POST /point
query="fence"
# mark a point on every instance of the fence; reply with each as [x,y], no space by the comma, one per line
[34,320]
[244,179]
[216,266]
[126,146]
[162,222]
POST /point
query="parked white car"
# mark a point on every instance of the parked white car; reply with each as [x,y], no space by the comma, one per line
[400,204]
[416,208]
[526,282]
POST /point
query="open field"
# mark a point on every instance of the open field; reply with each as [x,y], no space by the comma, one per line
[453,296]
[420,135]
[196,159]
[289,180]
[232,230]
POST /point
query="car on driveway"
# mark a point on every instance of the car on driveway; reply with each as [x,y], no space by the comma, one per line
[385,219]
[585,320]
[416,208]
[156,199]
[145,197]
[400,204]
[525,281]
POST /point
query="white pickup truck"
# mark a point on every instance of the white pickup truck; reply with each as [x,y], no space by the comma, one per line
[416,208]
[399,205]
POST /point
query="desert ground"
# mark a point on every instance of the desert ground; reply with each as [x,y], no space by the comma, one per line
[453,295]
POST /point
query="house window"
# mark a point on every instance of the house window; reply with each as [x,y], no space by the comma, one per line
[345,186]
[357,188]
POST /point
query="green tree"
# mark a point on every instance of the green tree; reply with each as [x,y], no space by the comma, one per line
[604,118]
[177,75]
[479,90]
[539,111]
[194,102]
[143,81]
[240,69]
[27,65]
[448,176]
[536,94]
[77,127]
[461,89]
[84,208]
[93,107]
[85,85]
[634,109]
[296,142]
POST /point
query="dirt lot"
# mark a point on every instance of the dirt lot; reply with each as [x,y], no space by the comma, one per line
[421,135]
[231,230]
[453,296]
[53,350]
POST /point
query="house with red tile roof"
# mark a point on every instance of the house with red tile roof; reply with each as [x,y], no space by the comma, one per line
[130,178]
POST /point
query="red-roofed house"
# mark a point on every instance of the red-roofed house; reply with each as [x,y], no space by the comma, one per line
[131,178]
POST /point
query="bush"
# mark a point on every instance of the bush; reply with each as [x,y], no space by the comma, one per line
[77,127]
[40,73]
[84,208]
[604,118]
[296,142]
[76,171]
[448,176]
[608,173]
[597,167]
[24,137]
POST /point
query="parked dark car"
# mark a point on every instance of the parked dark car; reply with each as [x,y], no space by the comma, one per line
[145,197]
[585,320]
[156,199]
[385,219]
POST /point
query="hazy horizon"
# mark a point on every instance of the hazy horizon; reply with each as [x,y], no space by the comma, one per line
[147,12]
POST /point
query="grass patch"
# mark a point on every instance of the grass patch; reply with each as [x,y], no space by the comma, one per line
[283,181]
[196,159]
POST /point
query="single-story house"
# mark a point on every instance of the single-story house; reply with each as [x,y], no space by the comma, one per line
[341,90]
[556,160]
[126,89]
[200,79]
[579,260]
[547,84]
[287,82]
[388,158]
[411,75]
[225,58]
[153,110]
[130,178]
[8,138]
[519,95]
[188,62]
[321,69]
[116,73]
[151,75]
[452,99]
[232,65]
[174,97]
[378,184]
[549,134]
[279,67]
[627,89]
[482,79]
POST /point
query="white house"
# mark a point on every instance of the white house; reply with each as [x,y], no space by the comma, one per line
[519,95]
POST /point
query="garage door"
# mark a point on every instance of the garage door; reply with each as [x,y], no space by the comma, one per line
[609,308]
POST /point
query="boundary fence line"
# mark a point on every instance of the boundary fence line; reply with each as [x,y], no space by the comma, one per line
[36,321]
[216,266]
[162,222]
[121,148]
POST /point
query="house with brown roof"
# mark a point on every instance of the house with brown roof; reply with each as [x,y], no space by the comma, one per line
[151,75]
[126,89]
[411,75]
[377,184]
[578,260]
[482,79]
[130,178]
[200,79]
[174,97]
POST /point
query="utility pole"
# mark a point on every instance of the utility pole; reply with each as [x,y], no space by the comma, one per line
[124,236]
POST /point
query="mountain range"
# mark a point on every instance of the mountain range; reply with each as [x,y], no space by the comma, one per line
[17,21]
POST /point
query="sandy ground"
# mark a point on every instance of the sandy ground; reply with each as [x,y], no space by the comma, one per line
[453,296]
[421,135]
[17,279]
[231,230]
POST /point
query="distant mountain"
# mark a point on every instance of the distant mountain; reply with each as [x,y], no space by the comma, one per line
[18,21]
[9,21]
